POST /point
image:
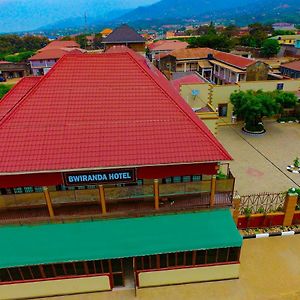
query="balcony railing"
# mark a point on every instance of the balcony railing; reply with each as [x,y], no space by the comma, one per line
[125,201]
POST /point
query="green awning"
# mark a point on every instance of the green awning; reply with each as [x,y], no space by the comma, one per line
[117,238]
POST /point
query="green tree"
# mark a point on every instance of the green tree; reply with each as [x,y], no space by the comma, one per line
[82,40]
[285,99]
[98,41]
[258,33]
[270,48]
[252,106]
[211,40]
[4,88]
[22,56]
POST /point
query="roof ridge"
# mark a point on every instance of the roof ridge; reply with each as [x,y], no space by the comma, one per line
[170,94]
[13,110]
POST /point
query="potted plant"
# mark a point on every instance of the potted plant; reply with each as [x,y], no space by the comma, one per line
[295,167]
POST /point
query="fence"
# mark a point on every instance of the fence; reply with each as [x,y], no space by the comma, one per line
[266,210]
[262,203]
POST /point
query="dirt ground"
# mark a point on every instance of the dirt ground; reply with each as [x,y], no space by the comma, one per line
[269,271]
[260,162]
[11,81]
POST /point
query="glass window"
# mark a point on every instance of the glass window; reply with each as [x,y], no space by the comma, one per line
[186,178]
[176,179]
[280,86]
[18,190]
[222,109]
[196,178]
[28,189]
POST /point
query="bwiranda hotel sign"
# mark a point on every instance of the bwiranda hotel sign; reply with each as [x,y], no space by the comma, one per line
[100,177]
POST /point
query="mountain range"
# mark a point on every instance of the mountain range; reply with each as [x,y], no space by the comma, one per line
[239,12]
[57,14]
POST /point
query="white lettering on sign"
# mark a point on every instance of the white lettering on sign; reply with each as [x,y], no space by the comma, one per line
[98,177]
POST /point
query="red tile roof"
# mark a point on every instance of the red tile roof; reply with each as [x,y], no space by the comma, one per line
[53,54]
[119,112]
[61,44]
[234,60]
[202,53]
[295,65]
[189,79]
[167,45]
[16,94]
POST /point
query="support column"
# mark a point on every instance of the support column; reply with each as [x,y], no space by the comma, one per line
[48,201]
[156,193]
[289,208]
[212,190]
[184,67]
[236,208]
[102,199]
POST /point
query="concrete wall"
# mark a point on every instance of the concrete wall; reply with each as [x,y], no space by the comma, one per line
[167,277]
[220,94]
[54,287]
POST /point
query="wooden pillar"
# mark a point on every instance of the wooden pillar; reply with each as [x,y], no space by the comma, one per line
[289,208]
[212,190]
[48,201]
[102,199]
[236,208]
[156,193]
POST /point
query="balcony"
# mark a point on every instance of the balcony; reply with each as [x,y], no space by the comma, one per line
[106,202]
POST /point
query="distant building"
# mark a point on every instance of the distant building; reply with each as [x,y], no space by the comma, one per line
[125,36]
[10,70]
[216,66]
[284,26]
[46,57]
[105,32]
[164,46]
[286,39]
[291,69]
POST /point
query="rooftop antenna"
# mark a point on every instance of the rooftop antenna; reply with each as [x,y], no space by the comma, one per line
[85,29]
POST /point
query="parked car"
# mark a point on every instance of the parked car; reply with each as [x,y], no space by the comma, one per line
[2,79]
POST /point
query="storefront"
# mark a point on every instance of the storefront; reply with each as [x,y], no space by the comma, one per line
[157,250]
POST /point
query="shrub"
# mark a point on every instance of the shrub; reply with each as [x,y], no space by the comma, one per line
[247,212]
[287,119]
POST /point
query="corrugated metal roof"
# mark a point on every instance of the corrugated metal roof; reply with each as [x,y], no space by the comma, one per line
[117,238]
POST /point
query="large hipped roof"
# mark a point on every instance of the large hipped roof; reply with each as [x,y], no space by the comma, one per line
[102,111]
[117,238]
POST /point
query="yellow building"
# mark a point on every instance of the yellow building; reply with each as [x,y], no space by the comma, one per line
[106,31]
[286,39]
[218,96]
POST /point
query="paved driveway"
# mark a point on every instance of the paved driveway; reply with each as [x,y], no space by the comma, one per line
[260,162]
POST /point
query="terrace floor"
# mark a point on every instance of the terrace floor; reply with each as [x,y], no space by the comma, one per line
[260,161]
[120,208]
[269,271]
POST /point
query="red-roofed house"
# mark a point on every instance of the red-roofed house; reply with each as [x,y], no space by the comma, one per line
[116,141]
[46,57]
[217,66]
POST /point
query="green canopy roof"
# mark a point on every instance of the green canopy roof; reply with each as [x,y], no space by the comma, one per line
[117,238]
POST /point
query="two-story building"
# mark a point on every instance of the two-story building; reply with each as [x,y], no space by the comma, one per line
[46,57]
[125,36]
[109,179]
[156,49]
[10,70]
[216,66]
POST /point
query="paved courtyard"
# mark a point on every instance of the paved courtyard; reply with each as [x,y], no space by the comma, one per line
[260,162]
[269,271]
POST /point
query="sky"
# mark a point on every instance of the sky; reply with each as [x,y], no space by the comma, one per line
[21,15]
